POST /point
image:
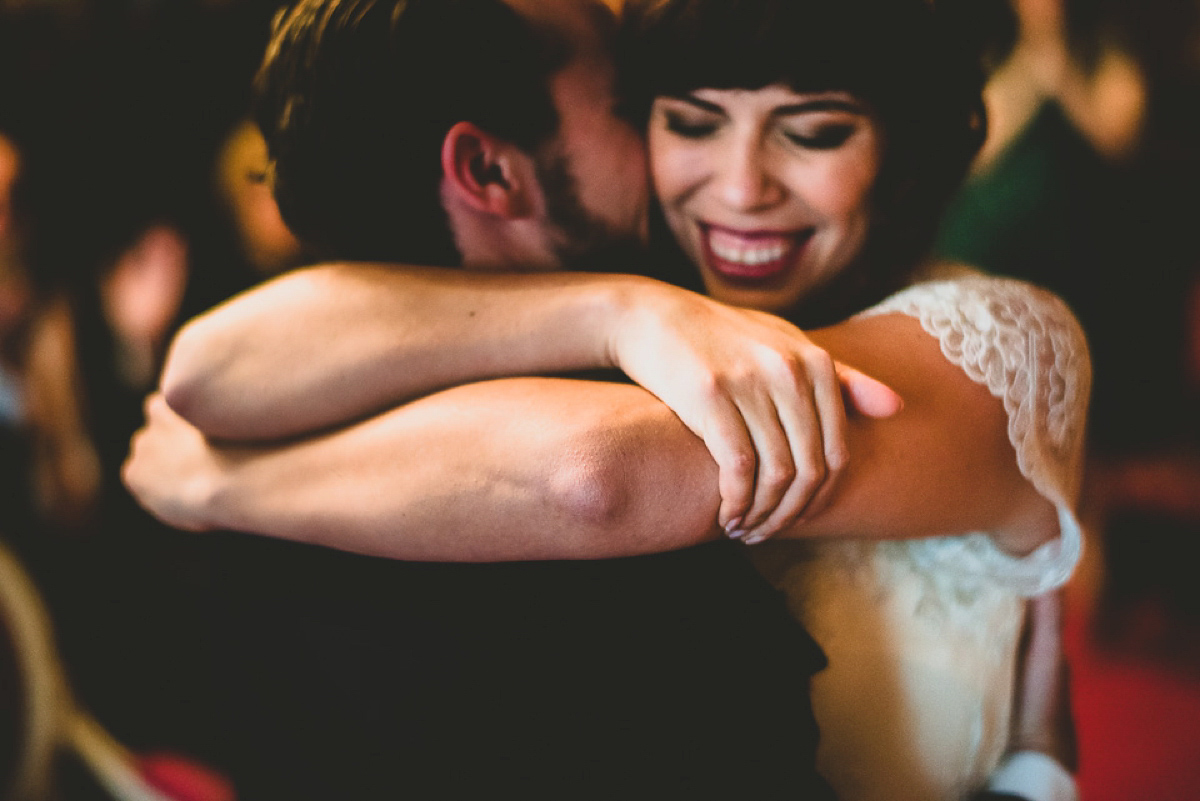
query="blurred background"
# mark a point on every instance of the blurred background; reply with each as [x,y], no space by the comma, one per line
[133,196]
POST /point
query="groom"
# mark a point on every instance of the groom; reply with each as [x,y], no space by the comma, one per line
[485,138]
[480,133]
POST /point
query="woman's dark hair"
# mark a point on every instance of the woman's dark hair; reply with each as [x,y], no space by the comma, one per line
[897,56]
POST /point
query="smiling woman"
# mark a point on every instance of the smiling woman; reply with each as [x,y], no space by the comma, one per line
[853,122]
[801,152]
[768,192]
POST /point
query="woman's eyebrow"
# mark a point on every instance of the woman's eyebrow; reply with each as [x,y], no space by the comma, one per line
[692,100]
[819,104]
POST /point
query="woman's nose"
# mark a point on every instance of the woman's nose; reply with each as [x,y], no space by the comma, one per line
[747,182]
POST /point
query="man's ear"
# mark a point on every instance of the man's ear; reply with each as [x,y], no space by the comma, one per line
[489,174]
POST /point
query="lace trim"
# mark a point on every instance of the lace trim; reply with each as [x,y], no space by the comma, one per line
[1024,344]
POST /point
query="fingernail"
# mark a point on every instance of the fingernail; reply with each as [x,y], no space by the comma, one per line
[733,526]
[735,535]
[754,539]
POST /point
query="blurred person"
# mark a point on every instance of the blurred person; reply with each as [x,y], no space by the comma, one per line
[241,177]
[1067,54]
[1054,197]
[1086,186]
[122,112]
[441,523]
[15,506]
[14,290]
[117,582]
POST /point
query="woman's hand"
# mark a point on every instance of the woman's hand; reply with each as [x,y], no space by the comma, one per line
[766,401]
[172,469]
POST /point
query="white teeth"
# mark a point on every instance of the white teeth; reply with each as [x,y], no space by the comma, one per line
[748,255]
[746,250]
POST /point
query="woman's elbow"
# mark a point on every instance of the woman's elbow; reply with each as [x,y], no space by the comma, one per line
[628,496]
[180,383]
[187,383]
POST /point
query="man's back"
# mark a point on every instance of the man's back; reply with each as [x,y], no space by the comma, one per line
[675,675]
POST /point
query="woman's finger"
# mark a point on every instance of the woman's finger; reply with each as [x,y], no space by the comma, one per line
[831,413]
[778,469]
[801,424]
[815,421]
[729,442]
[868,395]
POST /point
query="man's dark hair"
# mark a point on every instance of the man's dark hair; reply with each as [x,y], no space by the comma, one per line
[897,56]
[355,98]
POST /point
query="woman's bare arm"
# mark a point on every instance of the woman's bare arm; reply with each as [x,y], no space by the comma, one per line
[329,345]
[511,469]
[326,345]
[945,465]
[552,468]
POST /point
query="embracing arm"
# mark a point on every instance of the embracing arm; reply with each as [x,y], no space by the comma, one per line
[328,345]
[551,468]
[511,469]
[325,345]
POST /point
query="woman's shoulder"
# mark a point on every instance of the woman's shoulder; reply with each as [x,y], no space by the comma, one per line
[955,286]
[1026,346]
[998,329]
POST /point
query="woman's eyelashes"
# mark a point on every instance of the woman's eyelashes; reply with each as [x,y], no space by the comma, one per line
[689,128]
[821,137]
[826,137]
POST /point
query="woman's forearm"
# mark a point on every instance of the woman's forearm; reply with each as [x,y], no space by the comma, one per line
[552,468]
[325,346]
[513,469]
[330,344]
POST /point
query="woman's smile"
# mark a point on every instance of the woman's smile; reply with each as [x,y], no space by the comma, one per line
[752,257]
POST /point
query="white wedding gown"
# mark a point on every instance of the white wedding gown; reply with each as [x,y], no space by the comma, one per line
[922,635]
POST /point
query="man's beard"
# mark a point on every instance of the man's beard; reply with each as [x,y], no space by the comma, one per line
[581,240]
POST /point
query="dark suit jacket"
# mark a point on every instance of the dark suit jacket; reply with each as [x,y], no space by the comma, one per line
[680,675]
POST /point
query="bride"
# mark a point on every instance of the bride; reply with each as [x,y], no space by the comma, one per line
[800,152]
[768,135]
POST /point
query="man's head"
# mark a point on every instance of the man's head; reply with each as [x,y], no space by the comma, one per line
[450,131]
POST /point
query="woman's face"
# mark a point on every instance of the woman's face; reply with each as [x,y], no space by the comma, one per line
[767,191]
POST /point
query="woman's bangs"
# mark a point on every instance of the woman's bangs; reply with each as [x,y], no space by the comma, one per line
[807,45]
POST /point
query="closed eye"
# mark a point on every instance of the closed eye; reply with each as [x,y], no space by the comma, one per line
[689,129]
[828,137]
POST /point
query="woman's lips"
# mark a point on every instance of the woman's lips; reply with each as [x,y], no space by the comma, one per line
[755,256]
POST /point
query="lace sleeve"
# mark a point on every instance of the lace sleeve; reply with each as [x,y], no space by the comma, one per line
[1025,345]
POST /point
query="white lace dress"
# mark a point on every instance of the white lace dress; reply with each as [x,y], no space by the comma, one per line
[921,635]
